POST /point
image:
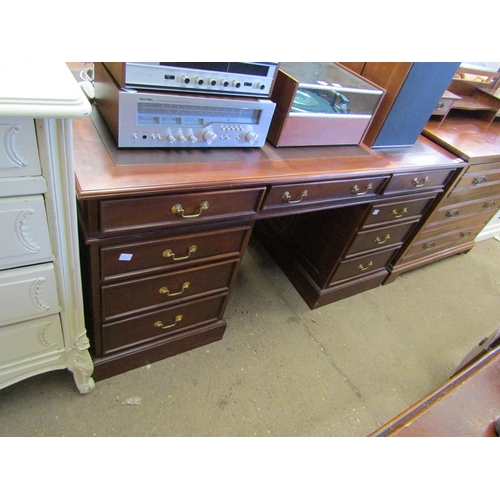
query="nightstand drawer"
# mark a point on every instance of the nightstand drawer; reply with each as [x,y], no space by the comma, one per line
[24,232]
[393,211]
[27,293]
[161,323]
[156,212]
[360,266]
[452,212]
[418,181]
[18,148]
[374,239]
[290,196]
[148,293]
[30,338]
[160,253]
[430,244]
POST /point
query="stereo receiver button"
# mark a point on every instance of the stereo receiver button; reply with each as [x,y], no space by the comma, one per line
[182,138]
[192,138]
[170,138]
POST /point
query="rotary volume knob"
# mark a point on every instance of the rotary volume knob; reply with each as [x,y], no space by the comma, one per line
[209,136]
[251,137]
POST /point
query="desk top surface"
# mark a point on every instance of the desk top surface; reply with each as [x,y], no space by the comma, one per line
[103,170]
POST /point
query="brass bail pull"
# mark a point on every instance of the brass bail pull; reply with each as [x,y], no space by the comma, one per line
[178,210]
[159,324]
[355,189]
[169,253]
[287,198]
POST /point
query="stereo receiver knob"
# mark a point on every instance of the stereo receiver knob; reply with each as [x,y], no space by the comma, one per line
[182,138]
[224,83]
[251,137]
[212,82]
[186,79]
[209,136]
[200,81]
[236,84]
[192,138]
[261,86]
[170,138]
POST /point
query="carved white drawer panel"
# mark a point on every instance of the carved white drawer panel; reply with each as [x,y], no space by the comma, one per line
[27,293]
[30,338]
[24,232]
[18,147]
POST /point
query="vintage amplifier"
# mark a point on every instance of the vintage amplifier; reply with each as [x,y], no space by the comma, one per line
[254,79]
[321,103]
[151,119]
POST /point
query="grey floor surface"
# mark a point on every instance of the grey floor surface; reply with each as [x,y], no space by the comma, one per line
[282,369]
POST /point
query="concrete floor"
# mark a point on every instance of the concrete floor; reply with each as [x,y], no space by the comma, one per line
[282,369]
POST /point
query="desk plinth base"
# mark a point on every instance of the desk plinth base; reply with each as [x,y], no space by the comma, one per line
[151,352]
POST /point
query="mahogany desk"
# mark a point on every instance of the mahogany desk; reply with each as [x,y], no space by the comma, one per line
[163,232]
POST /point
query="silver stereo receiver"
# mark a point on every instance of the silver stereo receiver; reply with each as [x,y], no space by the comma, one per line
[254,79]
[148,119]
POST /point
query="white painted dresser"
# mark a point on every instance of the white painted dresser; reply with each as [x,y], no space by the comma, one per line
[41,308]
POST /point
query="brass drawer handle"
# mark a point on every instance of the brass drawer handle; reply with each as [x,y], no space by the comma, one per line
[418,184]
[178,210]
[288,199]
[452,213]
[159,324]
[465,234]
[355,189]
[430,244]
[489,204]
[379,241]
[399,213]
[169,253]
[167,292]
[364,268]
[479,180]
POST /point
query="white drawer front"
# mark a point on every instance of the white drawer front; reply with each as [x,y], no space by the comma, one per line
[27,293]
[24,232]
[30,338]
[18,147]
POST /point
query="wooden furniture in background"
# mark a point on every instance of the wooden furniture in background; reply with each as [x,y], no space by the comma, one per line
[469,204]
[412,92]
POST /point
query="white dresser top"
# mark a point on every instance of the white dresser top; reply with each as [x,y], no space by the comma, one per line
[40,90]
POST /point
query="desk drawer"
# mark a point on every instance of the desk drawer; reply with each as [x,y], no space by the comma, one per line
[147,293]
[393,211]
[156,212]
[356,267]
[156,254]
[418,181]
[161,323]
[374,239]
[307,194]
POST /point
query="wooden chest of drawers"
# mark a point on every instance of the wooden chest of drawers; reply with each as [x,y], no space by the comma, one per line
[470,202]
